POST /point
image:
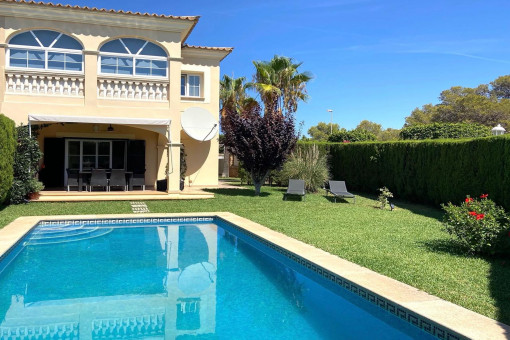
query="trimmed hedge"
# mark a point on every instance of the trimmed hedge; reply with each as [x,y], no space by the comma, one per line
[7,150]
[431,171]
[445,130]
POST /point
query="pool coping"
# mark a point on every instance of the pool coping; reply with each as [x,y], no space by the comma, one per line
[441,318]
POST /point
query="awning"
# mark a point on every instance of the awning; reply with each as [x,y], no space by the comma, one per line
[158,125]
[42,119]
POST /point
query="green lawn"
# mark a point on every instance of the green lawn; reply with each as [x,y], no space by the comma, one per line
[407,244]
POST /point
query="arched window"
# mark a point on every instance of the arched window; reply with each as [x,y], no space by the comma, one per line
[136,57]
[47,50]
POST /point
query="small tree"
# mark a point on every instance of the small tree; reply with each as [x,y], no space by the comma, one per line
[26,166]
[262,142]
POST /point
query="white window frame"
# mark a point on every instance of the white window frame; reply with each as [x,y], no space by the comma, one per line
[187,86]
[46,50]
[134,57]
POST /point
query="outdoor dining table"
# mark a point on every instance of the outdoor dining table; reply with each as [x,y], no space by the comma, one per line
[87,173]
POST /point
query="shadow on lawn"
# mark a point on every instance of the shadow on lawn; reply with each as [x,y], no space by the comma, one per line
[445,246]
[420,209]
[499,274]
[236,192]
[338,199]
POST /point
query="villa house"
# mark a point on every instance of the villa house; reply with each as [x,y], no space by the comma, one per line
[108,88]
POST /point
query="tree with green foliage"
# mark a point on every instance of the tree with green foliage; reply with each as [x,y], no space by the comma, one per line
[351,136]
[369,126]
[501,87]
[376,130]
[280,84]
[322,131]
[389,135]
[488,105]
[26,166]
[233,93]
[445,130]
[7,150]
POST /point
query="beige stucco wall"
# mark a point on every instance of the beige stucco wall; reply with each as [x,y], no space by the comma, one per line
[202,158]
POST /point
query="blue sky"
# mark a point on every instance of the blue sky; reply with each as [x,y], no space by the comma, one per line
[371,59]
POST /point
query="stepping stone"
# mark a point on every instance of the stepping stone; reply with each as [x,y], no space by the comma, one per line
[139,207]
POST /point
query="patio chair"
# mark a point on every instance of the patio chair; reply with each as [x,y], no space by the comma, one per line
[73,179]
[338,189]
[296,187]
[98,179]
[117,179]
[138,179]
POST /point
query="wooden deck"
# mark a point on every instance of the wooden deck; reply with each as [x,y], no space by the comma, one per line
[135,195]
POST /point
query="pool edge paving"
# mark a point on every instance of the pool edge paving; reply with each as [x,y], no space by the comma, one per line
[441,318]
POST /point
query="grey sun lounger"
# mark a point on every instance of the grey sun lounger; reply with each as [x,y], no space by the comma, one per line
[338,189]
[296,187]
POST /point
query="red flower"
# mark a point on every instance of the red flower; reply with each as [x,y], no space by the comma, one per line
[480,216]
[484,195]
[468,199]
[472,213]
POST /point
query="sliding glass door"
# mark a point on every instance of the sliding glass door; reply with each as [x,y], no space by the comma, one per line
[87,154]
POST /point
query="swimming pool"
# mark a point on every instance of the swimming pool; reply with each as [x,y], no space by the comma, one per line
[182,278]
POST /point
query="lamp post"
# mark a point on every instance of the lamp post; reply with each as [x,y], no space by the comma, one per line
[498,130]
[331,122]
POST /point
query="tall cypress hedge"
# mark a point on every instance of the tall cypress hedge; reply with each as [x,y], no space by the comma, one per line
[7,149]
[427,171]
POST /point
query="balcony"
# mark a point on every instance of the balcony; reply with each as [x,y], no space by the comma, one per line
[142,89]
[35,82]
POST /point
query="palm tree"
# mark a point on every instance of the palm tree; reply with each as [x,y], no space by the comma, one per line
[279,83]
[233,94]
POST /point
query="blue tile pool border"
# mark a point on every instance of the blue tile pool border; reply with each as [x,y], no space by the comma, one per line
[403,313]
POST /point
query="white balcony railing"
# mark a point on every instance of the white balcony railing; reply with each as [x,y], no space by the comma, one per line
[22,82]
[130,89]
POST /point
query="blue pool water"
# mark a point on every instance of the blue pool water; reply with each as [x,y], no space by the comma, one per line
[174,281]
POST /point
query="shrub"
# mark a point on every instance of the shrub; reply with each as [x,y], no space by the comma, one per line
[479,224]
[7,149]
[244,175]
[445,130]
[385,193]
[26,166]
[307,164]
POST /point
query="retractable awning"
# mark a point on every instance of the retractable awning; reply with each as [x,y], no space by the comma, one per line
[46,119]
[158,125]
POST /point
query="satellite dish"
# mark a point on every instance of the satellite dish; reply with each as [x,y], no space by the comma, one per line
[199,124]
[196,278]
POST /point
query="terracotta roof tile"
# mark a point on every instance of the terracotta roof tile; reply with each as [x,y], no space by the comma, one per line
[95,9]
[226,49]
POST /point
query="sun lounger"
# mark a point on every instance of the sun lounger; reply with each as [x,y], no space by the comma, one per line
[338,189]
[296,187]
